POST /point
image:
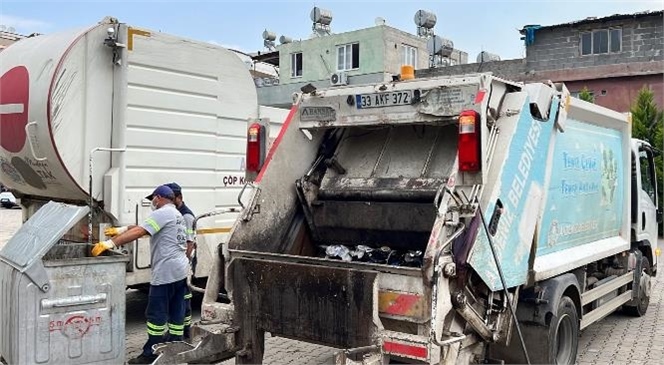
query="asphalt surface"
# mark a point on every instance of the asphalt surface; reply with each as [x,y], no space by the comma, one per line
[618,339]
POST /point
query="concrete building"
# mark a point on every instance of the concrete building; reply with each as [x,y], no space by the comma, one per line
[258,70]
[613,56]
[362,56]
[8,38]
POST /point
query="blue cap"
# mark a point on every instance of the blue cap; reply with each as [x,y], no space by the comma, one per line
[177,190]
[162,191]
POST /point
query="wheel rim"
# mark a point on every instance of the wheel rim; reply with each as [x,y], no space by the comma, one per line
[564,334]
[645,288]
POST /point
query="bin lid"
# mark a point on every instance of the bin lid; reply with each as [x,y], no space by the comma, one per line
[41,232]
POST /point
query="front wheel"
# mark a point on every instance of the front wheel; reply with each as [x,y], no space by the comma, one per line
[639,306]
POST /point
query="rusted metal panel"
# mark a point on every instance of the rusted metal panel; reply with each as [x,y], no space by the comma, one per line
[402,304]
[401,225]
[327,305]
[395,273]
[381,189]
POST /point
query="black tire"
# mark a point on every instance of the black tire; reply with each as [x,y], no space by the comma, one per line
[555,343]
[564,330]
[642,302]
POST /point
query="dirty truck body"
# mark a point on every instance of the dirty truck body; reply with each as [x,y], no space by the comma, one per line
[450,167]
[105,113]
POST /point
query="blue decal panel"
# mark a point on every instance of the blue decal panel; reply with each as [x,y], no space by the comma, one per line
[584,201]
[521,191]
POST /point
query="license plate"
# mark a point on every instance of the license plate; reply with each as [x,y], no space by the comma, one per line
[381,100]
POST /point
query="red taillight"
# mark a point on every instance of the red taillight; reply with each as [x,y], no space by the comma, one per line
[469,141]
[254,148]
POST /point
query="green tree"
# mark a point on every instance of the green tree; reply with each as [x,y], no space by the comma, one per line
[648,125]
[586,95]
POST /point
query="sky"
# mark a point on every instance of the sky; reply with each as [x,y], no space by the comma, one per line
[473,25]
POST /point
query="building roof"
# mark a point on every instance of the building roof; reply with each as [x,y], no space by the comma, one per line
[593,20]
[11,36]
[271,57]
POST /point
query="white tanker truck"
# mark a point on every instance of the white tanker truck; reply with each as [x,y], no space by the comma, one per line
[100,115]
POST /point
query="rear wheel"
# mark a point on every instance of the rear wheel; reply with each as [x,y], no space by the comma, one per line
[640,305]
[554,343]
[558,342]
[565,333]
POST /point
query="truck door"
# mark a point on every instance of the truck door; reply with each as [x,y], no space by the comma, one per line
[647,197]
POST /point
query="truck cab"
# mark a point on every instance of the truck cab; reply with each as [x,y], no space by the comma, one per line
[646,210]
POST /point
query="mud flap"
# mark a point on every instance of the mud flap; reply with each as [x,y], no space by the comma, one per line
[327,305]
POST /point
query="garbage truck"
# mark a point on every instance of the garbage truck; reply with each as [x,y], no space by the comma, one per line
[448,220]
[99,116]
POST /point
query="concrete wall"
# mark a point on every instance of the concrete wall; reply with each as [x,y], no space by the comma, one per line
[556,55]
[319,55]
[380,58]
[380,51]
[7,39]
[460,57]
[281,96]
[559,47]
[393,58]
[508,69]
[621,83]
[620,92]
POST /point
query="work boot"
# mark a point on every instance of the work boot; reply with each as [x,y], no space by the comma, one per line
[143,359]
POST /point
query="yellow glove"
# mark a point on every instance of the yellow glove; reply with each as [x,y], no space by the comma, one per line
[114,231]
[100,247]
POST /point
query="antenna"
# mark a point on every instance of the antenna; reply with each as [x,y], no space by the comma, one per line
[268,39]
[322,19]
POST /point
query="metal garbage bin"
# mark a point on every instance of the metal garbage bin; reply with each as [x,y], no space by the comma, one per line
[59,305]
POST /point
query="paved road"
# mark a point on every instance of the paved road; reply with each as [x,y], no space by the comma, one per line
[618,339]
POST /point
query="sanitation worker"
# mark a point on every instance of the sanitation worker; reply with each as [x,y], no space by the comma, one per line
[168,285]
[189,219]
